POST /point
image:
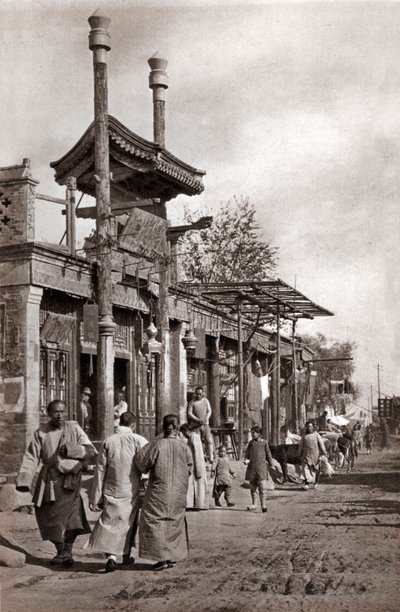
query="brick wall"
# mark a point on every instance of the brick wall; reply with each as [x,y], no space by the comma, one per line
[12,443]
[13,418]
[17,204]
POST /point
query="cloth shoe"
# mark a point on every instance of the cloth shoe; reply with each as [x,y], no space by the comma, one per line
[305,487]
[252,508]
[68,560]
[111,566]
[128,560]
[160,565]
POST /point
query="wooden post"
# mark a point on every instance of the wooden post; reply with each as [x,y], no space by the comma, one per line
[99,43]
[295,401]
[162,319]
[71,233]
[158,83]
[277,384]
[215,420]
[240,378]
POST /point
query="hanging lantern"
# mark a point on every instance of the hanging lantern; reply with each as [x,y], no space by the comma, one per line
[151,331]
[189,341]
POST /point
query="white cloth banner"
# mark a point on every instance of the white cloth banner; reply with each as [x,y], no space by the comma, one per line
[264,382]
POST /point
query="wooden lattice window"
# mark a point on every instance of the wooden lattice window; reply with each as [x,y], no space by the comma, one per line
[54,366]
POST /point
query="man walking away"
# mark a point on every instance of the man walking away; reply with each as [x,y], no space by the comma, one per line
[162,530]
[115,490]
[60,446]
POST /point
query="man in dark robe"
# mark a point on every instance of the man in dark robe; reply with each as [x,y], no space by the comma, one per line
[59,447]
[162,529]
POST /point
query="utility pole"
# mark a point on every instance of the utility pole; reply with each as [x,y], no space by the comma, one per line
[379,369]
[99,44]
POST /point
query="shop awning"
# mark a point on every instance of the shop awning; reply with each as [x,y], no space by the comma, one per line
[259,299]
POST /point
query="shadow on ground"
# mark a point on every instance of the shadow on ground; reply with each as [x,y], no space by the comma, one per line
[388,482]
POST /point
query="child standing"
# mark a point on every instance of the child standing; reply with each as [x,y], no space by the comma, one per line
[257,458]
[223,477]
[369,437]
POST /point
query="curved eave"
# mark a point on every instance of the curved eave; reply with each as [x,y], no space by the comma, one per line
[156,160]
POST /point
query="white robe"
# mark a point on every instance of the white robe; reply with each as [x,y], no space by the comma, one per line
[198,485]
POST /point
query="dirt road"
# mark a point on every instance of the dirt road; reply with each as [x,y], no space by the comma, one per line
[335,548]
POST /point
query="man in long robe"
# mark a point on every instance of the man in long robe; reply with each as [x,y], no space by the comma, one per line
[162,531]
[60,447]
[116,490]
[311,446]
[198,484]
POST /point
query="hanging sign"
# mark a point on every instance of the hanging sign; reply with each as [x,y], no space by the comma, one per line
[90,323]
[145,234]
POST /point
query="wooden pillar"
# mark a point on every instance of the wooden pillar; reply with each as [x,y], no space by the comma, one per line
[71,228]
[162,322]
[295,401]
[215,420]
[276,384]
[99,43]
[158,82]
[240,377]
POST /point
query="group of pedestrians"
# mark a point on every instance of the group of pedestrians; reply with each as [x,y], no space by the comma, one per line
[61,446]
[174,467]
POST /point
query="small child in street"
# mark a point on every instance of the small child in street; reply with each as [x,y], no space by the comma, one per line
[369,438]
[223,477]
[257,458]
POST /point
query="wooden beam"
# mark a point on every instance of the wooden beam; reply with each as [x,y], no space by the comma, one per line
[41,196]
[117,208]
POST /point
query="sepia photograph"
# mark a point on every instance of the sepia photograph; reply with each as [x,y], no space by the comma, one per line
[199,305]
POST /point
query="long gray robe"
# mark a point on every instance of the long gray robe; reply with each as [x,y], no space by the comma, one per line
[311,446]
[58,504]
[162,530]
[116,484]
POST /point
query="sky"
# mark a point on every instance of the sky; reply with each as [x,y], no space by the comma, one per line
[291,104]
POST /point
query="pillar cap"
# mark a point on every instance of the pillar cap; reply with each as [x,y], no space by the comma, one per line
[99,20]
[158,76]
[99,35]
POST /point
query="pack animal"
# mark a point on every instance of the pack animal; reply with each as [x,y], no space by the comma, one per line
[346,451]
[284,454]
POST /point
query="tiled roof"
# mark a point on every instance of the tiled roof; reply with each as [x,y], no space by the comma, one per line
[140,168]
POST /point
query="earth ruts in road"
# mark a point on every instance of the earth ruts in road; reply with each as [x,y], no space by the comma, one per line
[332,549]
